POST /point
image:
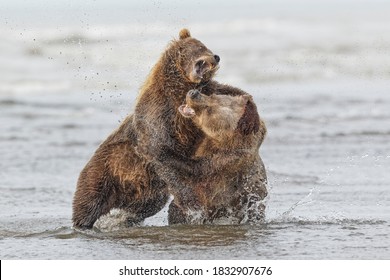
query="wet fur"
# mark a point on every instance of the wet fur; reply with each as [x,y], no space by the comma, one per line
[117,177]
[171,141]
[132,168]
[165,137]
[231,185]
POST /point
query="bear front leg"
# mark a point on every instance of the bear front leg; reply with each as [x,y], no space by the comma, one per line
[176,214]
[89,205]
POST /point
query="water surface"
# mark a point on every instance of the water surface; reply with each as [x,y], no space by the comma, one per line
[319,75]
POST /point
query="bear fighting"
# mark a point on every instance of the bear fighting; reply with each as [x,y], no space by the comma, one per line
[160,151]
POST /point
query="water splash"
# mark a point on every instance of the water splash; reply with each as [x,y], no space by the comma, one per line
[305,200]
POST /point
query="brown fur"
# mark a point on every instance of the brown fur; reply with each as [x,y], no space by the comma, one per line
[166,138]
[156,139]
[117,177]
[232,183]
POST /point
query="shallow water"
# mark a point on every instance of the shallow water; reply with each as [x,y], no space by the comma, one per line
[338,239]
[324,96]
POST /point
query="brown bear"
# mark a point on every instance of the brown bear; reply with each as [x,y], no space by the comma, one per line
[165,137]
[122,172]
[131,169]
[230,189]
[117,177]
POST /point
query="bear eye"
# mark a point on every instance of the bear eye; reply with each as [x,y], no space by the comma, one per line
[209,110]
[202,49]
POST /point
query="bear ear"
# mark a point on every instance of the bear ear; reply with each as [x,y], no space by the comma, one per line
[250,120]
[246,98]
[184,33]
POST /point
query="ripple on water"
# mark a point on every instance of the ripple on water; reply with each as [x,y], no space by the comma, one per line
[277,238]
[324,221]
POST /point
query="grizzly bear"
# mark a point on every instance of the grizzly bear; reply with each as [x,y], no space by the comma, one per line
[230,190]
[133,167]
[117,177]
[165,137]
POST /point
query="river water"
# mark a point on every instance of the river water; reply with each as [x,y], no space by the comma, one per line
[319,73]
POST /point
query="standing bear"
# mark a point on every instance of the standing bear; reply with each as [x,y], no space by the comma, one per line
[133,167]
[229,187]
[171,140]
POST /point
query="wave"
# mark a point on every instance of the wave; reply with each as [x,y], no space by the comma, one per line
[33,86]
[194,234]
[356,134]
[325,220]
[275,50]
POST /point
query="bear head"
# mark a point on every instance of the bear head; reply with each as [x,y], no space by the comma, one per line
[196,62]
[221,116]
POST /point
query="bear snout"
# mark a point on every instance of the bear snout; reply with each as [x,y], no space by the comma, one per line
[193,94]
[217,58]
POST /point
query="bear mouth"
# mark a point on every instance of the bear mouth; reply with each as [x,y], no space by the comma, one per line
[201,67]
[204,69]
